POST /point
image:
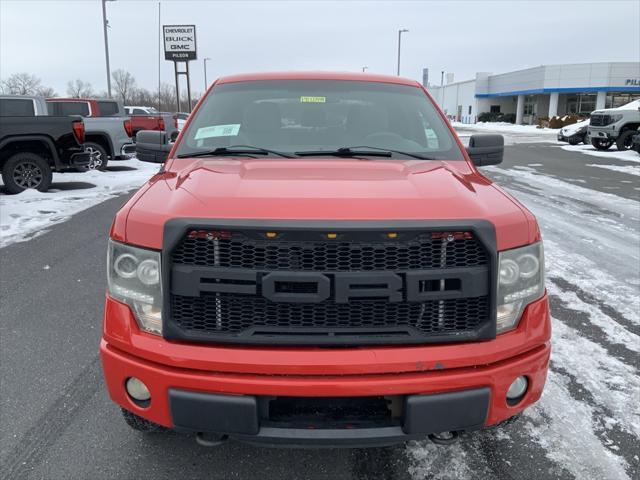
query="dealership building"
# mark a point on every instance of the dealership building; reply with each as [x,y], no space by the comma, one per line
[540,92]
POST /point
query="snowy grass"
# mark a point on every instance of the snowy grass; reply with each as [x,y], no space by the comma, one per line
[30,213]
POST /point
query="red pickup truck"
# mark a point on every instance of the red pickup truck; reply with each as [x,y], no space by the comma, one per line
[319,262]
[148,118]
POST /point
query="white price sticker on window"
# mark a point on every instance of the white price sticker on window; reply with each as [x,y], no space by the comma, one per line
[229,130]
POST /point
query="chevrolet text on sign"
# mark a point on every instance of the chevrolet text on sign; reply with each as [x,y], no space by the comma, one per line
[179,42]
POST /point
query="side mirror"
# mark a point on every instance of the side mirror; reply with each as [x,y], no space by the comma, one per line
[152,146]
[486,149]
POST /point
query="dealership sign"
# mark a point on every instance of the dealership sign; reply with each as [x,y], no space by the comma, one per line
[179,42]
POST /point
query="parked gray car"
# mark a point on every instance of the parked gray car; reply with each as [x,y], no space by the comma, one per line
[108,128]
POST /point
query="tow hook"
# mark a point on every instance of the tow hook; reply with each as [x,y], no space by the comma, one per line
[210,439]
[444,438]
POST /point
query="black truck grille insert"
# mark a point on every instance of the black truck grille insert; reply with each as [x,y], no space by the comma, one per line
[236,314]
[418,252]
[328,288]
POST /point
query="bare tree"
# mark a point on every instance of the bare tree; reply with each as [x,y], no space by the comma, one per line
[21,84]
[125,84]
[47,92]
[79,89]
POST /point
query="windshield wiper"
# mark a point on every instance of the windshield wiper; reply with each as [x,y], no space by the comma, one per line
[235,150]
[360,151]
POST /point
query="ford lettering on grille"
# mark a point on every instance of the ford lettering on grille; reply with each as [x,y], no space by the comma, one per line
[313,287]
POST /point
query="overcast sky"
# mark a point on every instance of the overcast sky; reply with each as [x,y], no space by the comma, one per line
[62,40]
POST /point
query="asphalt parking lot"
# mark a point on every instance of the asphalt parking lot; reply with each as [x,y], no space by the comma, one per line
[58,423]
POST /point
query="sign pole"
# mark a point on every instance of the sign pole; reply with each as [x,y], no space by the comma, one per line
[188,86]
[175,67]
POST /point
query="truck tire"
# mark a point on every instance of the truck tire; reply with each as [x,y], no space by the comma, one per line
[575,139]
[140,424]
[26,170]
[586,139]
[99,157]
[601,144]
[625,140]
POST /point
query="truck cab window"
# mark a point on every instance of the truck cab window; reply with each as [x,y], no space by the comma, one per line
[73,108]
[10,107]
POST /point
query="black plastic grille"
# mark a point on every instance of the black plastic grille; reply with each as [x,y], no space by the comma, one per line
[418,252]
[600,120]
[237,317]
[233,314]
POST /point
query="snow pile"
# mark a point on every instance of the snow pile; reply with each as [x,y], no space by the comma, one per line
[512,134]
[29,213]
[505,127]
[627,155]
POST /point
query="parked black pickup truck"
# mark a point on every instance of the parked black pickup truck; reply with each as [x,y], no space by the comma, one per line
[32,147]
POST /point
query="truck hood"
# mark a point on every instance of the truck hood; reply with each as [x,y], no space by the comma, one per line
[322,189]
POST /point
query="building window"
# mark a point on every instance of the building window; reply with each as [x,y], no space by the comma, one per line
[530,105]
[581,103]
[615,100]
[494,109]
[469,110]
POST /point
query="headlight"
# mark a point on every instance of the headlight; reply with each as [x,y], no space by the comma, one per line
[520,282]
[133,276]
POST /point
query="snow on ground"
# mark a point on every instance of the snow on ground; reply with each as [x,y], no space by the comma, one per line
[587,424]
[626,156]
[629,169]
[506,127]
[29,213]
[512,133]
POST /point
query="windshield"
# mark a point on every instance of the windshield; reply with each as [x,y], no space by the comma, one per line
[299,116]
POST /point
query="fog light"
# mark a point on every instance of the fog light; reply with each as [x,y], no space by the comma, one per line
[137,390]
[517,389]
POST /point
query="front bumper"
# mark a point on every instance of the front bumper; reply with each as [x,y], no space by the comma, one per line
[604,133]
[220,389]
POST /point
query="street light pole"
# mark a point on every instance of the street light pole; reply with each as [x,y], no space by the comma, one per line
[206,84]
[105,24]
[400,32]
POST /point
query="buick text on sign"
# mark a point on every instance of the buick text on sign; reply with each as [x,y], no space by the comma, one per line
[179,42]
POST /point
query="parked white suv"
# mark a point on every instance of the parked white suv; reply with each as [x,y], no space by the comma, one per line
[617,125]
[137,110]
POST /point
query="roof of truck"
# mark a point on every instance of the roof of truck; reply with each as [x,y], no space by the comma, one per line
[363,77]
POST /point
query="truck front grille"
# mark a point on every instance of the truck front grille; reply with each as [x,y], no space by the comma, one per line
[216,292]
[254,316]
[244,250]
[600,120]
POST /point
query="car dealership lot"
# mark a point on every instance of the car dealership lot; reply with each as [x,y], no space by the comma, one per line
[57,421]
